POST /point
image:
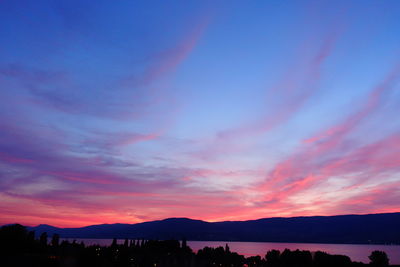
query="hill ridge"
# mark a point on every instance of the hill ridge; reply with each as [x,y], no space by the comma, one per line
[381,228]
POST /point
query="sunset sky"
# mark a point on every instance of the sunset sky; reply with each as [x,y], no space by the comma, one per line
[130,111]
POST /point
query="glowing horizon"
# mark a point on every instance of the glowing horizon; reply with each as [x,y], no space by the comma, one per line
[126,112]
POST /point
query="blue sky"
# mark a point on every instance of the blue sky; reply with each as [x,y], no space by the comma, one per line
[133,111]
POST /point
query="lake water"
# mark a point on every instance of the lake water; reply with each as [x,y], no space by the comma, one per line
[355,252]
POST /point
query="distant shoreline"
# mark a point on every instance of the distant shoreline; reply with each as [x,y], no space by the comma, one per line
[372,229]
[238,241]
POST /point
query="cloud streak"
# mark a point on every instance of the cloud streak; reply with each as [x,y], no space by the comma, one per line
[121,116]
[332,154]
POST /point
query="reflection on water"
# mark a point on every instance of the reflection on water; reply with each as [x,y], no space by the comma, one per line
[355,252]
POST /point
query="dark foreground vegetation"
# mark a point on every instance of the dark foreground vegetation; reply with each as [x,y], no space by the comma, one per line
[18,247]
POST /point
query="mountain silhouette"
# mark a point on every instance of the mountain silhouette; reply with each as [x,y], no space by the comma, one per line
[346,229]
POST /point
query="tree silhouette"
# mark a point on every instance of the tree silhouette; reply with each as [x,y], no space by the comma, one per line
[114,243]
[55,240]
[184,243]
[13,238]
[43,239]
[272,257]
[379,258]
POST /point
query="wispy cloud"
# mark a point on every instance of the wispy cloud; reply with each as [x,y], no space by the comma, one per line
[291,94]
[100,119]
[333,154]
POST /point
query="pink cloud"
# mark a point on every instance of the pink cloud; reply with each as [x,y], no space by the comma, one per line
[169,60]
[327,157]
[11,159]
[374,101]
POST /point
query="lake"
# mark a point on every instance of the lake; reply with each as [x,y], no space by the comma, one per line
[355,252]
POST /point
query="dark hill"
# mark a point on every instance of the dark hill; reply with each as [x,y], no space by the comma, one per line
[352,229]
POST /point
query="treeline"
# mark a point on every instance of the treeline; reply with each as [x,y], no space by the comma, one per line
[18,247]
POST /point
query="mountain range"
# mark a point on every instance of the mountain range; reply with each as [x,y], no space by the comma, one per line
[381,228]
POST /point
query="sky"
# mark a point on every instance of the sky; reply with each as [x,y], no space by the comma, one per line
[131,111]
